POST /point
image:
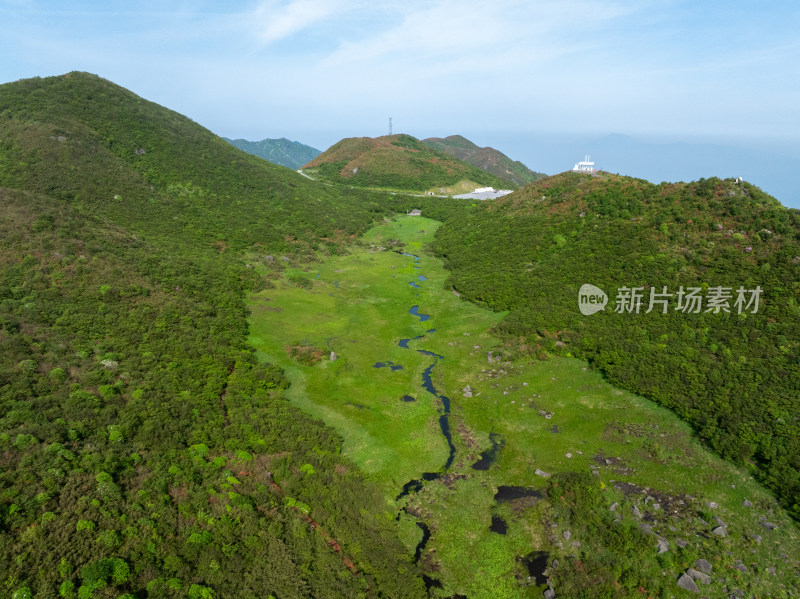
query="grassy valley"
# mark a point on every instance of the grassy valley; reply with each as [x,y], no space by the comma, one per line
[556,473]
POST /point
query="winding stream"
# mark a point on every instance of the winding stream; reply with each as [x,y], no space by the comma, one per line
[415,485]
[444,411]
[534,562]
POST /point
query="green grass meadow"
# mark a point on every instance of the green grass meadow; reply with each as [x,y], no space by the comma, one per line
[557,415]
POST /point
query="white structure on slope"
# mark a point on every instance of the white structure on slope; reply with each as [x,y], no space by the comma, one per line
[483,195]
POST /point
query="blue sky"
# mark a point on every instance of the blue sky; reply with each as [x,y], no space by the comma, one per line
[320,70]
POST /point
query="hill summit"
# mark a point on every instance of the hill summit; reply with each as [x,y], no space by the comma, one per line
[398,162]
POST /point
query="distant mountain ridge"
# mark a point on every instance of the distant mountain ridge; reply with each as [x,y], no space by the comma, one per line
[291,154]
[488,159]
[399,162]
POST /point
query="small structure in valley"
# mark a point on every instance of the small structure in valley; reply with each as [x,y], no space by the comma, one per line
[415,212]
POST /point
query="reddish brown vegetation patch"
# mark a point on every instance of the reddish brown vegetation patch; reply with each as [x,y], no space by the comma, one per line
[305,354]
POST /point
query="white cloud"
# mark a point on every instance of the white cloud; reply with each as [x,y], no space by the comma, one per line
[605,65]
[274,21]
[477,38]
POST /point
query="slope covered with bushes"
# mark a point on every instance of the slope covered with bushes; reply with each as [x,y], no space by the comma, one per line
[144,449]
[735,377]
[488,159]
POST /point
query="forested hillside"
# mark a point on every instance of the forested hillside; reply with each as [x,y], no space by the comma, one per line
[101,148]
[398,162]
[144,450]
[734,376]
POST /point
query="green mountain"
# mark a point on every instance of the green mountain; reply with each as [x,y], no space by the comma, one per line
[730,371]
[145,450]
[291,154]
[398,162]
[488,159]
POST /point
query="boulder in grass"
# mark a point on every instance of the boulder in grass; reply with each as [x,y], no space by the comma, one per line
[663,546]
[645,528]
[699,576]
[703,566]
[686,582]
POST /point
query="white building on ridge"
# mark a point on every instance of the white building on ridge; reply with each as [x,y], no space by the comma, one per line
[584,166]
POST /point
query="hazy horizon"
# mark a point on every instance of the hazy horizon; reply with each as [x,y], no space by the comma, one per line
[318,70]
[761,162]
